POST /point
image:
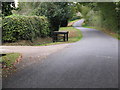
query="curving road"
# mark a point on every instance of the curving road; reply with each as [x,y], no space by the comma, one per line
[89,63]
[78,23]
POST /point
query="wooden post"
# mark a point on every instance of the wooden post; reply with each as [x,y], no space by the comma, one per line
[67,36]
[64,37]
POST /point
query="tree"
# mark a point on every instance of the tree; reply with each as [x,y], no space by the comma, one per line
[84,9]
[67,11]
[109,15]
[7,8]
[101,14]
[58,13]
[26,8]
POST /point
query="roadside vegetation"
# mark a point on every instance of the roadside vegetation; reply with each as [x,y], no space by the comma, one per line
[74,36]
[8,61]
[32,23]
[24,28]
[102,16]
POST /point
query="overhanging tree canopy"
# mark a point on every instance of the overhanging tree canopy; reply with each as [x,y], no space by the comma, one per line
[7,8]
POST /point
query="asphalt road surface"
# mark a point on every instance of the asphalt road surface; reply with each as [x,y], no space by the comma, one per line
[78,23]
[91,62]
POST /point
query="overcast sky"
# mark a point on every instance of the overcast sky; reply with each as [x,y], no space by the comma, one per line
[16,3]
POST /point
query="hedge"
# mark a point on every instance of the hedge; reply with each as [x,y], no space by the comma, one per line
[24,28]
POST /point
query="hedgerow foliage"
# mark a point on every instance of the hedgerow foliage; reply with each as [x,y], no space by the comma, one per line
[24,28]
[101,14]
[107,16]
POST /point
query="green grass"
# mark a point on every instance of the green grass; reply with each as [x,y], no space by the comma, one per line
[8,64]
[9,59]
[74,36]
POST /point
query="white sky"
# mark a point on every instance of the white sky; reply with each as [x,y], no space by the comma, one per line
[16,3]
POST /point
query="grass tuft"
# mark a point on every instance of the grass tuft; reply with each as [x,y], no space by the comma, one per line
[9,59]
[7,63]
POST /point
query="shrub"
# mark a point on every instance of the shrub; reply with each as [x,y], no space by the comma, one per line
[24,28]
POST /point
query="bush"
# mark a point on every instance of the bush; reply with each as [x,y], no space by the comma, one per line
[24,28]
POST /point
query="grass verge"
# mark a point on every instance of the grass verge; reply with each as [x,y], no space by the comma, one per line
[7,63]
[113,34]
[74,35]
